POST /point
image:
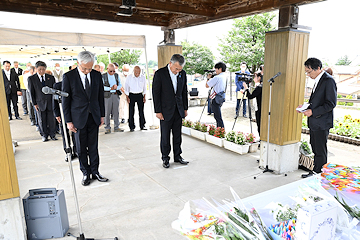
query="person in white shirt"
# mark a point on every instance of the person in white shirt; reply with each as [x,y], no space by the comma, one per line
[124,105]
[58,73]
[29,72]
[135,90]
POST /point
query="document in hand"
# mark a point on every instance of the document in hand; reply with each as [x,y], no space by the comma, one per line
[303,108]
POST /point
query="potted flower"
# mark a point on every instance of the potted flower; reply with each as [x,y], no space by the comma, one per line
[250,138]
[186,127]
[236,142]
[216,136]
[196,131]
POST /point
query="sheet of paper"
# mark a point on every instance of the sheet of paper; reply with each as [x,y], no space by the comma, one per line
[303,108]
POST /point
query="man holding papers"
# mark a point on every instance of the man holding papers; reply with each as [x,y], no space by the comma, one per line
[319,112]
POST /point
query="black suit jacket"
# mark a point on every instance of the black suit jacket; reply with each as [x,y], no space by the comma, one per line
[165,99]
[56,107]
[322,102]
[78,105]
[44,101]
[12,85]
[20,71]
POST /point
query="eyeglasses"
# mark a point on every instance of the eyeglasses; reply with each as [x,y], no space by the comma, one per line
[307,73]
[111,71]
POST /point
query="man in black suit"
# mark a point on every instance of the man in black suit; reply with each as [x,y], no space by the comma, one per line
[57,115]
[43,102]
[84,112]
[320,112]
[171,105]
[16,68]
[12,89]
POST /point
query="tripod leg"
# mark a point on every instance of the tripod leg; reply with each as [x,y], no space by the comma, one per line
[203,108]
[237,114]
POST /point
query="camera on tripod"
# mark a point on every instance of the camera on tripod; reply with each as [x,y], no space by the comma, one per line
[212,72]
[244,77]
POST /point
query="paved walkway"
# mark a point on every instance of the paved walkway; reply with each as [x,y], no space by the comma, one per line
[142,198]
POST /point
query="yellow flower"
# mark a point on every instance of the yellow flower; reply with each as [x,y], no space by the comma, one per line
[347,126]
[340,124]
[347,117]
[357,120]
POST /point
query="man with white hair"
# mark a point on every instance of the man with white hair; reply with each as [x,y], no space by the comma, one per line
[112,87]
[135,90]
[84,112]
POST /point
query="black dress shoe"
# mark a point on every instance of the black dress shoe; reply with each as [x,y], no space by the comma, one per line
[73,156]
[166,164]
[32,124]
[181,161]
[18,118]
[10,118]
[307,175]
[123,120]
[131,130]
[54,138]
[66,159]
[86,180]
[99,177]
[143,128]
[44,139]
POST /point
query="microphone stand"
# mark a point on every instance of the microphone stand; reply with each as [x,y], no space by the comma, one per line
[271,81]
[68,153]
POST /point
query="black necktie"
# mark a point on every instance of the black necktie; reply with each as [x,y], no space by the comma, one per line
[42,81]
[87,86]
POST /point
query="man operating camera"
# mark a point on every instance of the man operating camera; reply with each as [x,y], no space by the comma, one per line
[241,75]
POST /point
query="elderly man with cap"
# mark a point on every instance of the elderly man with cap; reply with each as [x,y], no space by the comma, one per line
[135,90]
[112,87]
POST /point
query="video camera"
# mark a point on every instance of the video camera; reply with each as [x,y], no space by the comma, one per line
[212,72]
[244,77]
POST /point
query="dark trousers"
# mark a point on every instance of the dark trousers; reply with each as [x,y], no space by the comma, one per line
[258,117]
[139,99]
[318,141]
[216,108]
[68,134]
[238,106]
[172,125]
[46,123]
[87,145]
[209,106]
[12,98]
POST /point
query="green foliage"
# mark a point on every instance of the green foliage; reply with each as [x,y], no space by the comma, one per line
[219,132]
[304,122]
[345,103]
[204,127]
[197,126]
[230,136]
[305,148]
[198,57]
[187,123]
[211,130]
[125,56]
[344,60]
[246,41]
[250,138]
[347,127]
[152,64]
[240,138]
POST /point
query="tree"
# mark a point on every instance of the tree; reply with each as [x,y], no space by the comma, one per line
[125,56]
[343,61]
[152,63]
[245,42]
[198,58]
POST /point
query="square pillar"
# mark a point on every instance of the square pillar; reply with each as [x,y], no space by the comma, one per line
[165,53]
[286,51]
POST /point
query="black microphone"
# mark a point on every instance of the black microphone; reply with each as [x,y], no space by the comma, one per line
[47,90]
[276,75]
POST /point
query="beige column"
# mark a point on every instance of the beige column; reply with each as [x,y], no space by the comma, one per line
[165,52]
[285,51]
[11,211]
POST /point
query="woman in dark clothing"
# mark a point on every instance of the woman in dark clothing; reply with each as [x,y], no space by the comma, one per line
[257,93]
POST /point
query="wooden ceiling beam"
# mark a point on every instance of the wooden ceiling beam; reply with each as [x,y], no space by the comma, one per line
[84,12]
[161,6]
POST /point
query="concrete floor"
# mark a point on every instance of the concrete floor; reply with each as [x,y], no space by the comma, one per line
[142,198]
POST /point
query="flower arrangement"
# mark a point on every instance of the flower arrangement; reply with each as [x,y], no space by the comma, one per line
[231,136]
[305,148]
[197,126]
[240,138]
[250,138]
[219,132]
[347,126]
[211,130]
[187,123]
[204,127]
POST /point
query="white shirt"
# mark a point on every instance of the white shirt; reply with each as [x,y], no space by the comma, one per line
[218,83]
[17,70]
[7,73]
[173,78]
[135,84]
[82,76]
[40,77]
[317,79]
